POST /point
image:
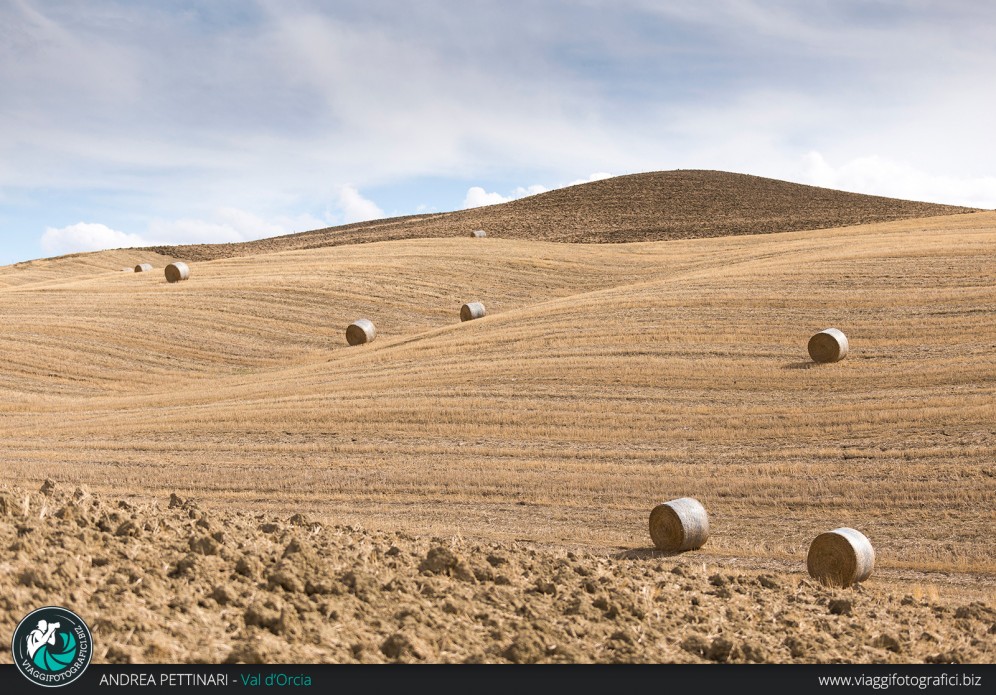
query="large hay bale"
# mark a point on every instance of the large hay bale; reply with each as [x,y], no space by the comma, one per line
[472,310]
[829,345]
[143,267]
[175,272]
[680,524]
[478,234]
[841,557]
[360,331]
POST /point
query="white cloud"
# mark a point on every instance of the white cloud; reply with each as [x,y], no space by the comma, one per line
[477,196]
[85,236]
[597,176]
[880,176]
[353,207]
[523,191]
[227,225]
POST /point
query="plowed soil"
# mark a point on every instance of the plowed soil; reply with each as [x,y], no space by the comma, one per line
[169,581]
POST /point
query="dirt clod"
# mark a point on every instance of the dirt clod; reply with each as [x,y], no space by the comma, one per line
[400,645]
[720,650]
[204,545]
[950,657]
[840,606]
[526,648]
[887,642]
[247,567]
[438,560]
[767,582]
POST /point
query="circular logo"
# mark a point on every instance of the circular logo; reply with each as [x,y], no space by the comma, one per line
[52,646]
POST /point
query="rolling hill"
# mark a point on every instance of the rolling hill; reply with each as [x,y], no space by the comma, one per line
[654,206]
[604,378]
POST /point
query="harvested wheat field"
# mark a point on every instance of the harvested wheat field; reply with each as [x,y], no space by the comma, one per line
[604,380]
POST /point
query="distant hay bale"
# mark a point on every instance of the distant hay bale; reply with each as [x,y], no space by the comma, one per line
[841,557]
[129,269]
[360,331]
[175,272]
[680,524]
[829,345]
[143,267]
[478,234]
[473,310]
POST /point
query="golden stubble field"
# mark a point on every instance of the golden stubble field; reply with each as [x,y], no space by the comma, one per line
[605,379]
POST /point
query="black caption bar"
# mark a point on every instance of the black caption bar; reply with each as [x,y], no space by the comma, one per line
[104,679]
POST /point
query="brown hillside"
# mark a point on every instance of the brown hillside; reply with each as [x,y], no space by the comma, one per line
[654,206]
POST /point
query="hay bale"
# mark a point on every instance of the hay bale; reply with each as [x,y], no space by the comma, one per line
[129,269]
[478,234]
[841,557]
[175,272]
[828,346]
[360,331]
[472,310]
[143,267]
[680,524]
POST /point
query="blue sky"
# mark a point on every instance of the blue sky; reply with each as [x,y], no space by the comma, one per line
[133,123]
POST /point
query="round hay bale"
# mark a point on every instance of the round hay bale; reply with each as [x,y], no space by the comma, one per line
[680,524]
[828,346]
[129,269]
[478,234]
[175,272]
[472,310]
[841,557]
[143,267]
[360,331]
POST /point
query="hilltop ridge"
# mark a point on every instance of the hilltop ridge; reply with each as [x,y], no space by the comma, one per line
[655,206]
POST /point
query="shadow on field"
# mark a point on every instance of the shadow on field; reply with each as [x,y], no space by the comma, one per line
[644,554]
[801,365]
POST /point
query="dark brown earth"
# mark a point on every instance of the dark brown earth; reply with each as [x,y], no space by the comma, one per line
[655,206]
[174,582]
